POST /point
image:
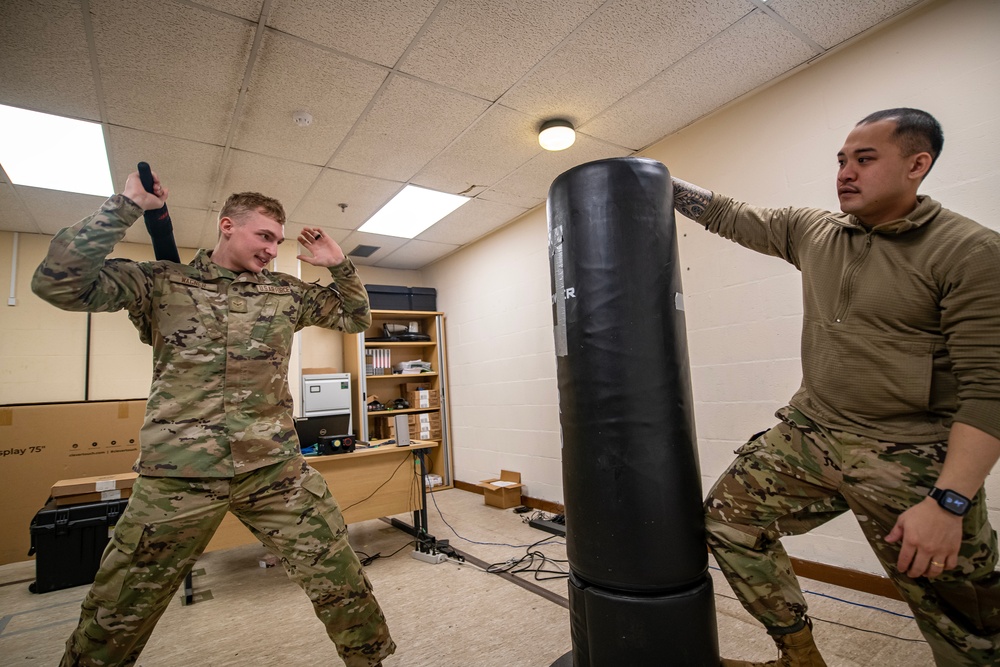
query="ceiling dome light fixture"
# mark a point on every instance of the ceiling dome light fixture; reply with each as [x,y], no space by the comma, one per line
[556,134]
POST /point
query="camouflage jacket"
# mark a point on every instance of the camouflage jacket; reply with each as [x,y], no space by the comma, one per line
[219,402]
[900,322]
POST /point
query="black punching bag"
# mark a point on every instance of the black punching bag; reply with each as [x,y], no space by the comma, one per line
[640,593]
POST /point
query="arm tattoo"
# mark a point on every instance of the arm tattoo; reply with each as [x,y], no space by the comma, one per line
[690,200]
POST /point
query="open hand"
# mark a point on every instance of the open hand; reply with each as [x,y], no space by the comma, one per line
[323,250]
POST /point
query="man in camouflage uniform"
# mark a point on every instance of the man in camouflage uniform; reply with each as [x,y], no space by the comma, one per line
[218,434]
[898,415]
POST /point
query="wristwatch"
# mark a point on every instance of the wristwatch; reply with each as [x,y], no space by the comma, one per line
[953,501]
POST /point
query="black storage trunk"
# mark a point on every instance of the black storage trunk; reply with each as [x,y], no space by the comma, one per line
[423,298]
[396,297]
[68,543]
[388,297]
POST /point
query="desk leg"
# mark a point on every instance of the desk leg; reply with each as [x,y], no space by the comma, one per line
[188,590]
[420,515]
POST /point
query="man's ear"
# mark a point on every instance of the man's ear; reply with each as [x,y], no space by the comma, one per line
[226,225]
[920,164]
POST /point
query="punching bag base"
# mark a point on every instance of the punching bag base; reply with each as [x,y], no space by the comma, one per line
[564,661]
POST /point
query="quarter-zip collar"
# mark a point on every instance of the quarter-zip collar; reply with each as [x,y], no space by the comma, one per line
[926,210]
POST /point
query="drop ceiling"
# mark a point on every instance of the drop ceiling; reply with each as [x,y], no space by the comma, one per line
[442,94]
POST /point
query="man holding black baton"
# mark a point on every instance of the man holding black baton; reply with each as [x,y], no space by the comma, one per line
[218,434]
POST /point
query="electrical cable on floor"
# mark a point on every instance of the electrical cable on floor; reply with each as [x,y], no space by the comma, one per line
[518,566]
[510,566]
[843,625]
[856,604]
[368,560]
[489,544]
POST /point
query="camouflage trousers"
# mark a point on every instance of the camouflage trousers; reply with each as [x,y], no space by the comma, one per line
[798,476]
[169,522]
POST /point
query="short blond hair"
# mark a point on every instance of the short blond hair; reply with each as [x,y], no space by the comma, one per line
[240,203]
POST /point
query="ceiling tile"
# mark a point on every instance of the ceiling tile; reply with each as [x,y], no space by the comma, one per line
[376,30]
[163,84]
[830,22]
[483,47]
[609,56]
[385,245]
[410,123]
[535,177]
[188,169]
[511,199]
[45,58]
[362,194]
[14,217]
[190,227]
[416,254]
[509,137]
[291,76]
[470,221]
[285,181]
[247,9]
[293,229]
[744,57]
[54,209]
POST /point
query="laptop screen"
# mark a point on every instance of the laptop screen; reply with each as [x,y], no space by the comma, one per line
[311,428]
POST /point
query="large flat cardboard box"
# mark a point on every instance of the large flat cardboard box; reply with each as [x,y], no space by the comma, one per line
[42,444]
[507,493]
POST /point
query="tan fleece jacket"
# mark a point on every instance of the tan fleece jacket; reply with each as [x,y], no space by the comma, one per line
[901,324]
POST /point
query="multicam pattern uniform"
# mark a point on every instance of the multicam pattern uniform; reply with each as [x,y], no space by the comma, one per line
[218,434]
[899,338]
[799,475]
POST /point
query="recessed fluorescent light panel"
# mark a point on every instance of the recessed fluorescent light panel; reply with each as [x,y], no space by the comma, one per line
[412,211]
[53,152]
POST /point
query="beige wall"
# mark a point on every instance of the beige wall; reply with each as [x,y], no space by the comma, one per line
[777,147]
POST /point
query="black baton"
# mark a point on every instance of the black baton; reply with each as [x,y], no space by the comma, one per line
[161,230]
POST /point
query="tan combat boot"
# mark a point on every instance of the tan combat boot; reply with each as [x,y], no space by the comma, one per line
[797,650]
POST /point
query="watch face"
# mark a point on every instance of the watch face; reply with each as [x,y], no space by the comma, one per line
[953,502]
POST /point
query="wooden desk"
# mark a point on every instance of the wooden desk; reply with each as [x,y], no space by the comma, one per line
[367,483]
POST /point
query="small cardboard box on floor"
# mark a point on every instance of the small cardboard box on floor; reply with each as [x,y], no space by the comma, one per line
[506,494]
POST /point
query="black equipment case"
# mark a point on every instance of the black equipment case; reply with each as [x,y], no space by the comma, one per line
[68,543]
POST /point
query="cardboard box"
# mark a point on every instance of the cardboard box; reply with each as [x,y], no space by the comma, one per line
[503,496]
[424,398]
[415,386]
[87,485]
[87,498]
[385,427]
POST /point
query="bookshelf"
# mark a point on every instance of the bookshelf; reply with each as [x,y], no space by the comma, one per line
[373,362]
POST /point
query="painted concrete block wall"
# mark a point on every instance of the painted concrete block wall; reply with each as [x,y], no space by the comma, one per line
[504,405]
[775,148]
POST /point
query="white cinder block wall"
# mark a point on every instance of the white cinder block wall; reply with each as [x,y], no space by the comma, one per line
[775,148]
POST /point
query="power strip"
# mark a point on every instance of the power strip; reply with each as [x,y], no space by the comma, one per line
[433,559]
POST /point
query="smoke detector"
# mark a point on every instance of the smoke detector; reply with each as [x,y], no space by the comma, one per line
[302,118]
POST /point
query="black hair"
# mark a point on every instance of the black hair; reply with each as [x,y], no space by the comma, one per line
[916,131]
